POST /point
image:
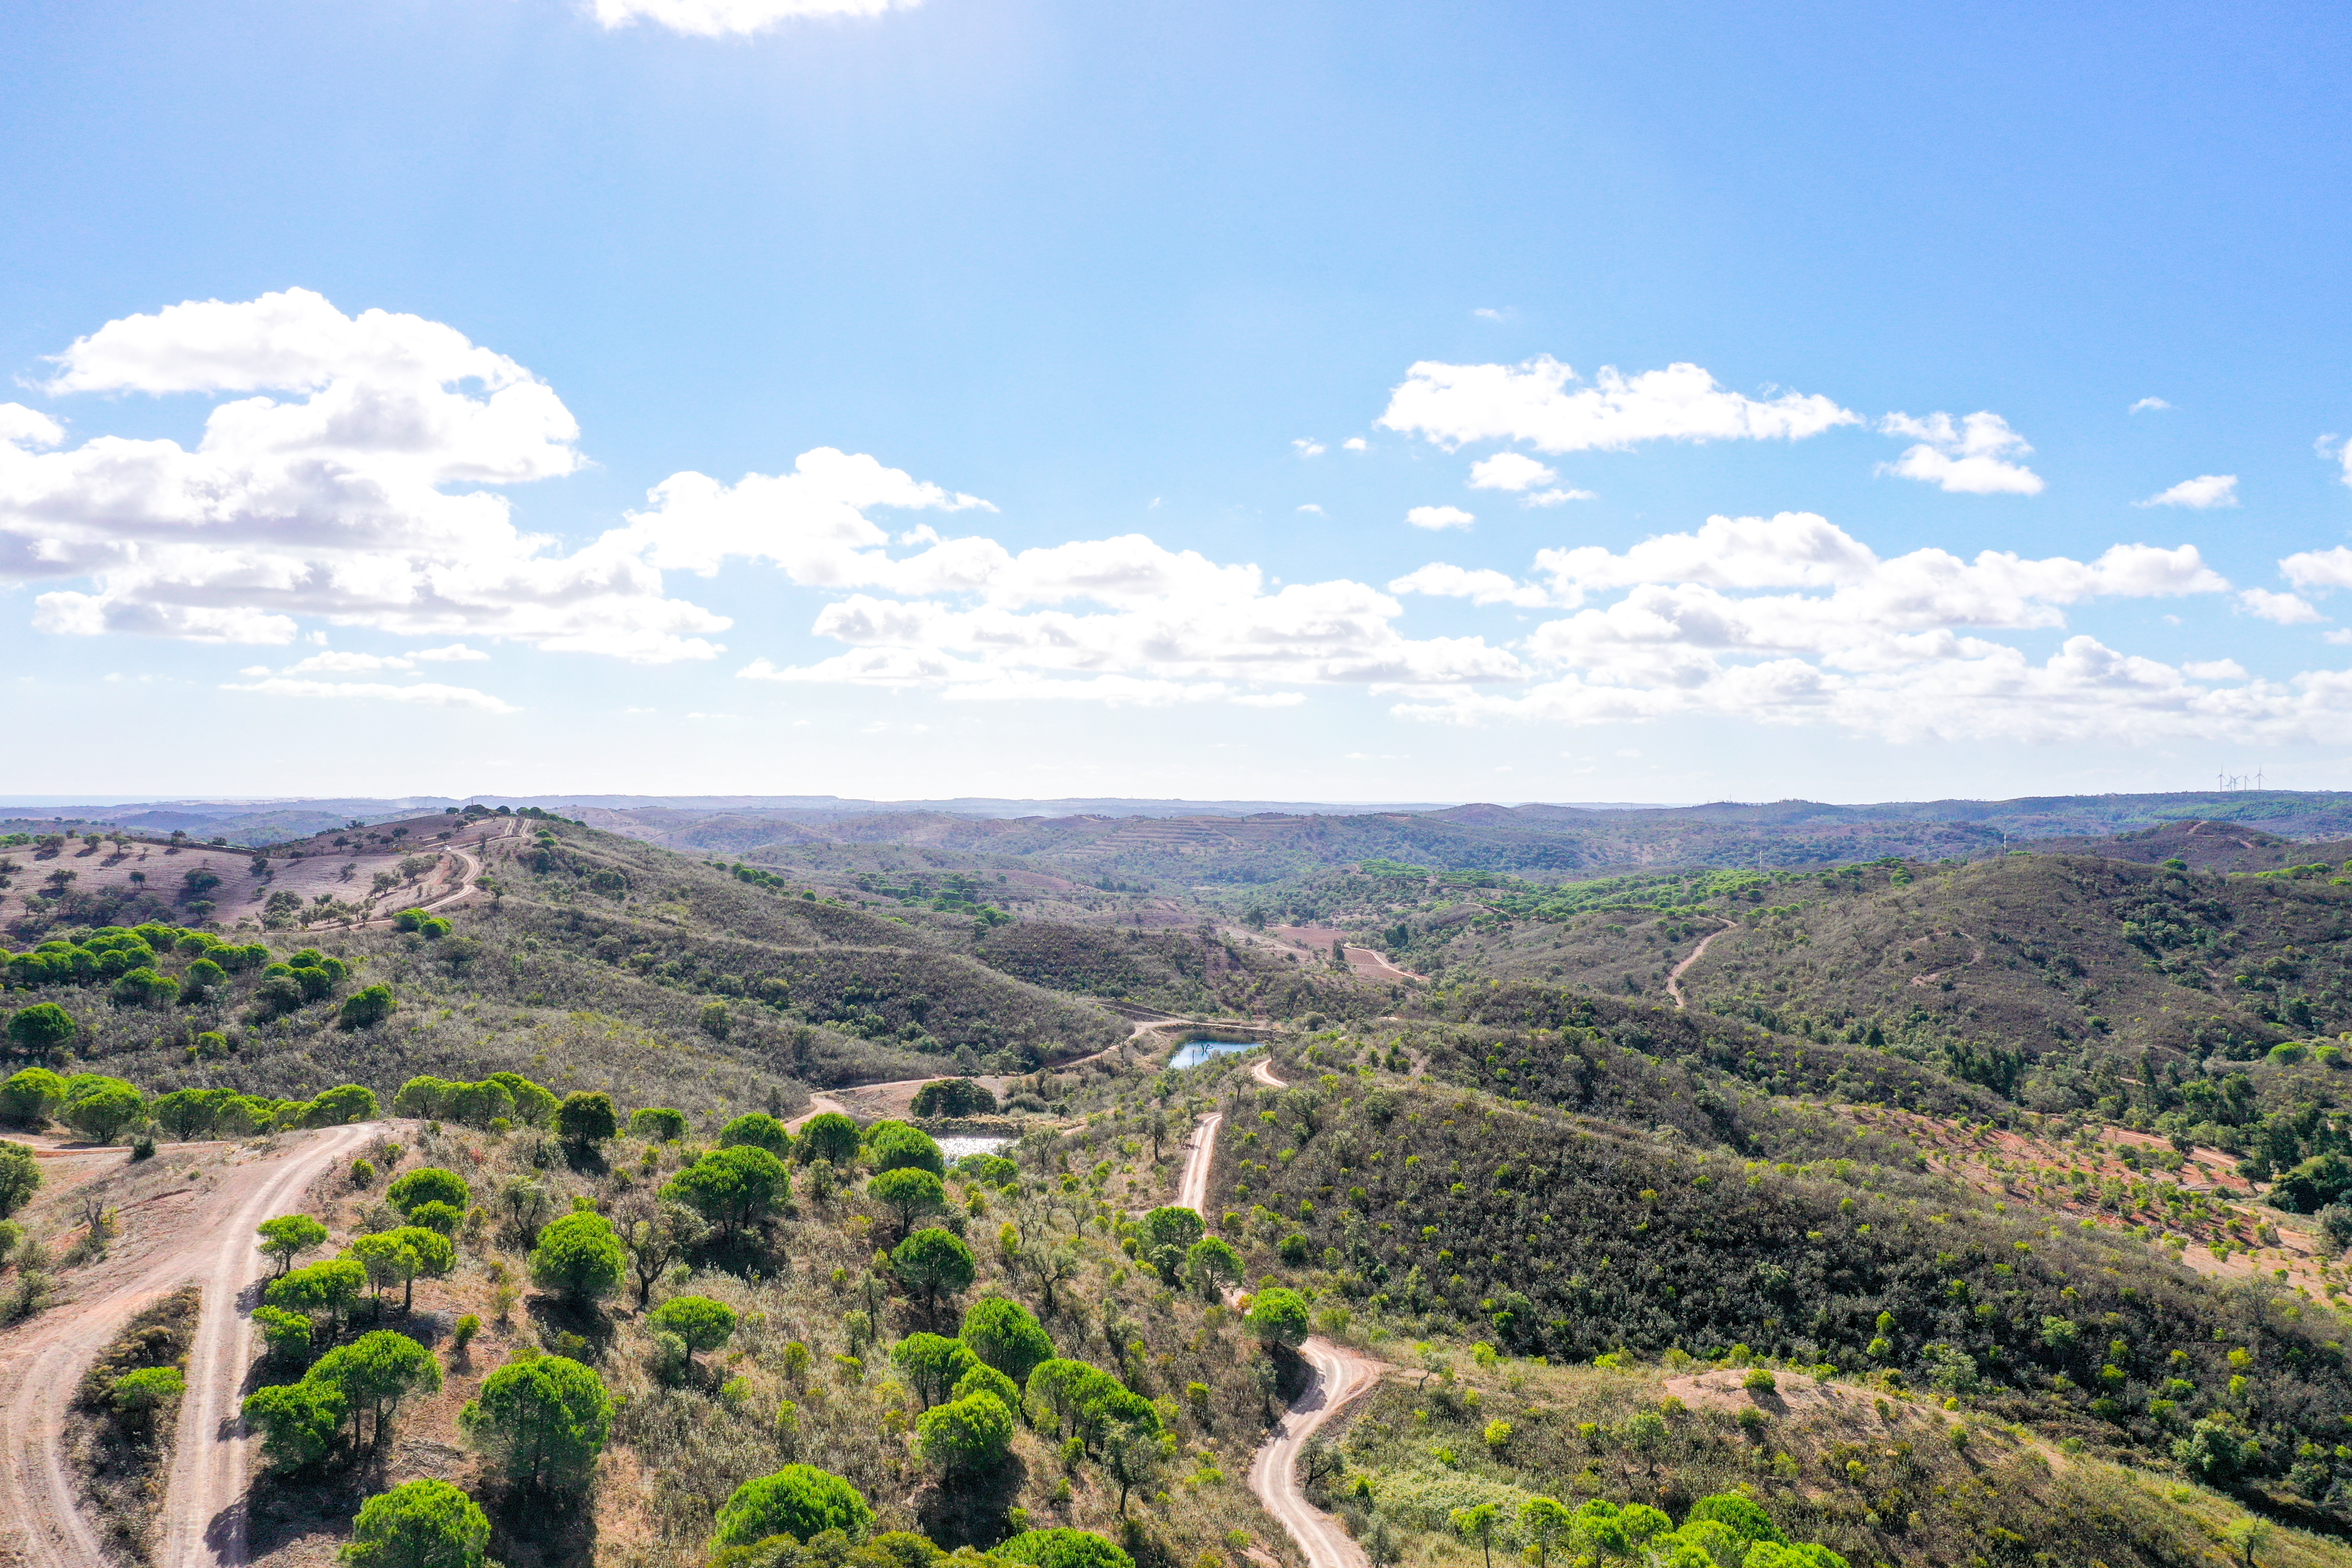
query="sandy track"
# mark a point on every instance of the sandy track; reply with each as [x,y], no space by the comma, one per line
[1675,976]
[1338,1376]
[204,1513]
[463,891]
[42,1361]
[1192,1191]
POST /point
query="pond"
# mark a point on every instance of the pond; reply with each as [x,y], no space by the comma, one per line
[956,1148]
[1194,1052]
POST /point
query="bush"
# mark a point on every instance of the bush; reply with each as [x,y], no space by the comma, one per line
[1278,1317]
[831,1137]
[587,1117]
[297,1422]
[368,1006]
[953,1097]
[148,1390]
[658,1124]
[1062,1549]
[29,1096]
[799,1500]
[20,1177]
[41,1027]
[428,1184]
[418,1524]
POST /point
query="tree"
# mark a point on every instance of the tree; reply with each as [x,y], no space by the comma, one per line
[41,1028]
[368,1006]
[146,1390]
[799,1500]
[287,1235]
[20,1177]
[760,1128]
[1212,1265]
[340,1106]
[656,1235]
[1278,1317]
[441,1219]
[376,1372]
[586,1117]
[143,987]
[428,1184]
[931,1364]
[1544,1521]
[731,1188]
[1477,1523]
[1007,1336]
[105,1111]
[543,1420]
[388,1259]
[953,1097]
[328,1287]
[186,1113]
[934,1263]
[418,1524]
[1162,1238]
[965,1436]
[297,1422]
[910,1194]
[658,1124]
[831,1137]
[1062,1549]
[436,1254]
[29,1096]
[1136,1450]
[900,1147]
[702,1323]
[579,1257]
[204,977]
[533,1105]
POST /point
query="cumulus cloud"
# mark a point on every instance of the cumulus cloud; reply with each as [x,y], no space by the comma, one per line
[2319,569]
[1454,404]
[422,693]
[1555,497]
[2286,609]
[1969,457]
[456,653]
[2149,406]
[724,18]
[1355,444]
[341,478]
[1437,517]
[2201,493]
[1307,446]
[1790,620]
[1509,471]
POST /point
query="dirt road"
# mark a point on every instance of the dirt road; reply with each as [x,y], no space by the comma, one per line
[1192,1191]
[462,892]
[209,1239]
[1675,976]
[1339,1377]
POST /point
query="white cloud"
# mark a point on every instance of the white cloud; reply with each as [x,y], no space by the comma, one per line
[456,653]
[2286,609]
[1355,444]
[1530,402]
[2201,493]
[2337,449]
[2148,406]
[1434,517]
[720,19]
[1555,498]
[1488,313]
[23,427]
[1965,458]
[1789,620]
[1310,506]
[1307,446]
[1509,471]
[340,663]
[2318,568]
[424,693]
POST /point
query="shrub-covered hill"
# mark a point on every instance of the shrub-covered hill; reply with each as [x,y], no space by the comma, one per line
[1183,971]
[598,961]
[1454,1211]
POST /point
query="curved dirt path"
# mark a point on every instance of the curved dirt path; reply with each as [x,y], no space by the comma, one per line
[41,1362]
[1338,1377]
[1675,976]
[1975,958]
[204,1513]
[463,892]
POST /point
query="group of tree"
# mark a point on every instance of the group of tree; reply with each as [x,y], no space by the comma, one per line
[103,1109]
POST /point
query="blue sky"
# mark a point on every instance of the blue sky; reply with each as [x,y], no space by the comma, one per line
[1100,296]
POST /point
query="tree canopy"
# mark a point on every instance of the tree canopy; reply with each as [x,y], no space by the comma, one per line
[543,1420]
[418,1524]
[1007,1336]
[579,1256]
[799,1500]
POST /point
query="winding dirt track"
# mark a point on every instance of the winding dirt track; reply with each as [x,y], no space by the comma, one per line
[210,1241]
[1675,976]
[1338,1376]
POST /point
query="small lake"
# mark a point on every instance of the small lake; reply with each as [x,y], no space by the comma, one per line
[956,1148]
[1194,1052]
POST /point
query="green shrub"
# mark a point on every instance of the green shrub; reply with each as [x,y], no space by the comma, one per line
[799,1500]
